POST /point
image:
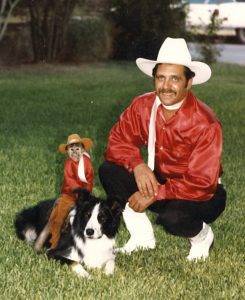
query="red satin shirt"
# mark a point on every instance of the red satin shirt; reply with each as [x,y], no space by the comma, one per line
[71,179]
[187,150]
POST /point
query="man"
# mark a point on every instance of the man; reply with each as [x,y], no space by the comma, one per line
[184,139]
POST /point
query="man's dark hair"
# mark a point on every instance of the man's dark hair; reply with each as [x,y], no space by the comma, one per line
[187,72]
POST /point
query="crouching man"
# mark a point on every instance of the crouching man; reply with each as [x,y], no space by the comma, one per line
[181,181]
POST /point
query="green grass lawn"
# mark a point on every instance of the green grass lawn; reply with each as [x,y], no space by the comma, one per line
[39,108]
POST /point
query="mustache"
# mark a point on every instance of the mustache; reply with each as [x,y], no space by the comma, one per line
[166,91]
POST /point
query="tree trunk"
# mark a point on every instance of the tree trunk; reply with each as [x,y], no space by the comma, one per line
[38,42]
[49,23]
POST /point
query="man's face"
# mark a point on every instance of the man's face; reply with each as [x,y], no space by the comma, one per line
[75,151]
[171,84]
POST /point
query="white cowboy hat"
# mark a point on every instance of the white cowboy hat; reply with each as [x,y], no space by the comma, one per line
[175,51]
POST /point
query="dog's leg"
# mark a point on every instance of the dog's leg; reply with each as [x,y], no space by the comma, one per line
[109,267]
[42,238]
[79,270]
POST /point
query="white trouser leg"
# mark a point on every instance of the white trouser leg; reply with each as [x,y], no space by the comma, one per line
[140,229]
[201,243]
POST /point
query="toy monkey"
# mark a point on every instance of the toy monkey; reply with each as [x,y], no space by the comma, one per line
[78,173]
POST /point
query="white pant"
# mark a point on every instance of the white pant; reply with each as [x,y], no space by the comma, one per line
[140,229]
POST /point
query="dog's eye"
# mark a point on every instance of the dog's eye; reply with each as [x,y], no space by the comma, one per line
[102,218]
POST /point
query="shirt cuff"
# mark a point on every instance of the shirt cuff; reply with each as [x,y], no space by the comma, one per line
[134,163]
[161,192]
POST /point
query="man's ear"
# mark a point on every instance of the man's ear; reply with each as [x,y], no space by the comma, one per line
[189,84]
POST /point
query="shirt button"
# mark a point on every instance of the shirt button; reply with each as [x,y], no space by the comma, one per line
[161,148]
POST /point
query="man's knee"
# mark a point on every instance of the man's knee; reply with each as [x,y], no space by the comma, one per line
[107,170]
[112,173]
[116,180]
[103,168]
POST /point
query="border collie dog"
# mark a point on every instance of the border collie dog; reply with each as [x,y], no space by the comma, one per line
[88,237]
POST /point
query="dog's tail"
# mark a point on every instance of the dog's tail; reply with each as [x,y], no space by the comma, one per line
[25,227]
[30,222]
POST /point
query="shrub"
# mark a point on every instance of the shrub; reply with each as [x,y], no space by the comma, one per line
[88,40]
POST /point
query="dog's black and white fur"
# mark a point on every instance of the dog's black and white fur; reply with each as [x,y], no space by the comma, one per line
[89,236]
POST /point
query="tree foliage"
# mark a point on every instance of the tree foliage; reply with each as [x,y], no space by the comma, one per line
[139,27]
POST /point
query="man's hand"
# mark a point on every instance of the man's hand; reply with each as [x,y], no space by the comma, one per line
[139,203]
[146,180]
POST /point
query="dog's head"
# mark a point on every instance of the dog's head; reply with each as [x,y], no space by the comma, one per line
[93,217]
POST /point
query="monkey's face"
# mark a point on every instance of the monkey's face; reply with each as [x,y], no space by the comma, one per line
[75,151]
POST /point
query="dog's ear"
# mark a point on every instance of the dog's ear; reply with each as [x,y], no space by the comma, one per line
[115,205]
[82,195]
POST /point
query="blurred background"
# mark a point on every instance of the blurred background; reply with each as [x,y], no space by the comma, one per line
[77,31]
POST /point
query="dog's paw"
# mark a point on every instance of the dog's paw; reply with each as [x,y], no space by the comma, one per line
[80,271]
[109,268]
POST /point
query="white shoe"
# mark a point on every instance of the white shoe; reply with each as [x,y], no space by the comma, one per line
[140,229]
[133,245]
[201,243]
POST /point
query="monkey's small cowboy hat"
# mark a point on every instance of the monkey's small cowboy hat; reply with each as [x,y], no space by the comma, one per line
[75,139]
[175,51]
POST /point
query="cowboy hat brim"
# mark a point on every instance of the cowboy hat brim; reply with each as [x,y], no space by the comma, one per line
[202,71]
[86,142]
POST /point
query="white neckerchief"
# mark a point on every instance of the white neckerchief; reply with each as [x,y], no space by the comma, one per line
[152,129]
[152,134]
[81,171]
[174,106]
